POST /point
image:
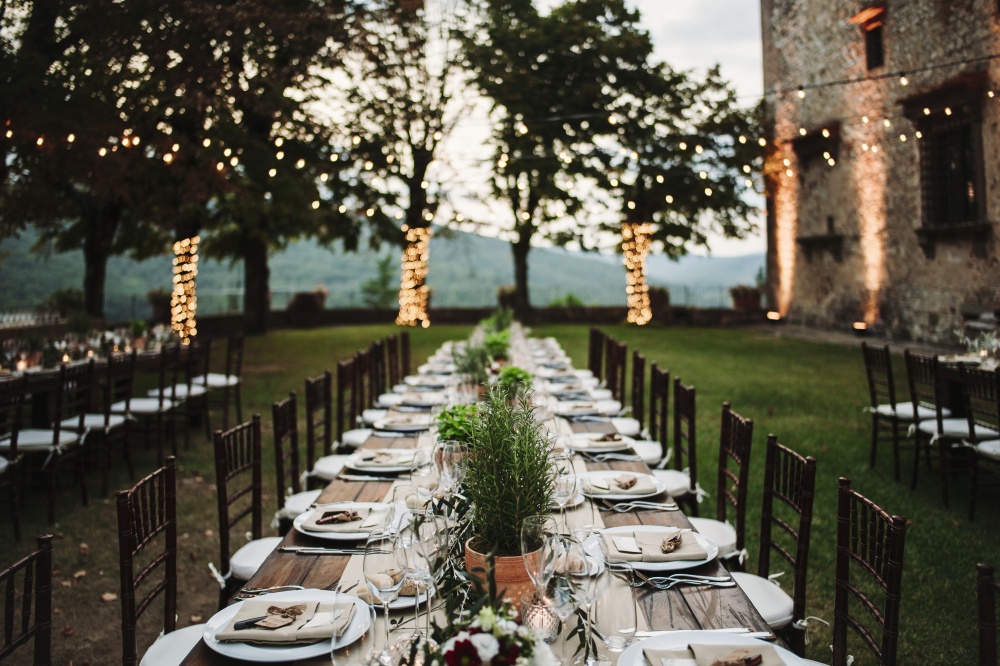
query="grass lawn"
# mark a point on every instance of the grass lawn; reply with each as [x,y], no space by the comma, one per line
[811,395]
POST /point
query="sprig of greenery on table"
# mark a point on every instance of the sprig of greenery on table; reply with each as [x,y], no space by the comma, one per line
[497,345]
[508,475]
[500,320]
[513,378]
[473,361]
[454,423]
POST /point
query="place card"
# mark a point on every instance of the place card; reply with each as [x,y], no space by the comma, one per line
[627,544]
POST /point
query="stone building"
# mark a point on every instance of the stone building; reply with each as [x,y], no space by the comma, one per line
[883,163]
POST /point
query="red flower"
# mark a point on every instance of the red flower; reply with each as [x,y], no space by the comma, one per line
[463,653]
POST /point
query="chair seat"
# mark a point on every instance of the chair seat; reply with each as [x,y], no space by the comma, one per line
[144,406]
[626,426]
[955,428]
[583,374]
[328,467]
[356,437]
[721,534]
[370,416]
[34,440]
[245,561]
[678,484]
[989,448]
[299,503]
[904,411]
[171,649]
[4,464]
[181,391]
[389,400]
[650,452]
[95,421]
[217,380]
[773,603]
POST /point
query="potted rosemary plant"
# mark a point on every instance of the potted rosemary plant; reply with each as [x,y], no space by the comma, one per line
[508,478]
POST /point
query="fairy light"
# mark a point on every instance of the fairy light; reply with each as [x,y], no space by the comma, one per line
[413,290]
[635,248]
[183,300]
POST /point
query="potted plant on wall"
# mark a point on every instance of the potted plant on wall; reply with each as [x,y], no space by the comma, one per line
[745,298]
[159,300]
[508,478]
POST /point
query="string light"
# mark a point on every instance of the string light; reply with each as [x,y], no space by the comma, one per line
[183,300]
[413,290]
[635,249]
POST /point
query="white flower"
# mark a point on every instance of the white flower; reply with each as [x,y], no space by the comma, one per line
[487,619]
[486,645]
[505,627]
[543,655]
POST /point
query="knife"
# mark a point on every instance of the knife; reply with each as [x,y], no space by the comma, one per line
[742,631]
[365,477]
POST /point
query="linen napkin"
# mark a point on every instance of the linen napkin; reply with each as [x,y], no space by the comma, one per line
[651,544]
[586,440]
[425,399]
[716,655]
[345,518]
[384,458]
[408,420]
[618,485]
[315,622]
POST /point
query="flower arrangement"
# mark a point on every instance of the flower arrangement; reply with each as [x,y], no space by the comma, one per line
[492,638]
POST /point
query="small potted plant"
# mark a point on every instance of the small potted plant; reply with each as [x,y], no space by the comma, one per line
[745,298]
[508,478]
[454,423]
[473,363]
[159,300]
[513,379]
[497,345]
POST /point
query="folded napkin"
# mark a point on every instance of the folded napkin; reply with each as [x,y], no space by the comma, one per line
[345,518]
[384,457]
[651,542]
[424,399]
[717,654]
[595,440]
[396,420]
[311,622]
[641,484]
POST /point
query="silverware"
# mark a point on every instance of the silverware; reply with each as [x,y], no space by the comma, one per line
[265,590]
[742,631]
[365,477]
[328,551]
[623,507]
[624,457]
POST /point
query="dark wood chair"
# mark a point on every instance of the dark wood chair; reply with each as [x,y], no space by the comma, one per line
[595,352]
[941,432]
[108,430]
[379,371]
[240,493]
[982,409]
[27,586]
[194,393]
[147,519]
[349,407]
[638,389]
[733,476]
[392,358]
[653,447]
[292,499]
[227,386]
[158,410]
[785,528]
[11,408]
[986,603]
[888,415]
[685,446]
[405,364]
[870,545]
[319,417]
[615,360]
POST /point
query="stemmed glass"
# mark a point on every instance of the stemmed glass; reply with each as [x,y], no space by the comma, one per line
[614,615]
[561,587]
[424,474]
[361,652]
[450,456]
[534,532]
[567,486]
[384,577]
[590,582]
[416,551]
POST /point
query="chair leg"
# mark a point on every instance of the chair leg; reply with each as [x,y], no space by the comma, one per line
[895,449]
[917,445]
[52,491]
[875,430]
[15,519]
[239,402]
[225,408]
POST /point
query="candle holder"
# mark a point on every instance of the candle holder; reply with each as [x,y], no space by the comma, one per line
[538,617]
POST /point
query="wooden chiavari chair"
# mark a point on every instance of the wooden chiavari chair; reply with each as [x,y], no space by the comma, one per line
[21,625]
[294,500]
[986,604]
[981,389]
[11,407]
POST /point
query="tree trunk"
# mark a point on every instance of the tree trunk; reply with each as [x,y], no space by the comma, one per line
[100,229]
[256,290]
[522,303]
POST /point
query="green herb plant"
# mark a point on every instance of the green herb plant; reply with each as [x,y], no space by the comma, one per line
[497,345]
[499,321]
[455,422]
[508,475]
[513,378]
[473,361]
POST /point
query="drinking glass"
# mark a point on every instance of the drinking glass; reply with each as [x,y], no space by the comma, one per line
[424,474]
[590,582]
[614,616]
[361,652]
[384,576]
[567,486]
[534,531]
[451,457]
[561,588]
[415,541]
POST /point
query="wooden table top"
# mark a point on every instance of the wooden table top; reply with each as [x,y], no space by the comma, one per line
[683,607]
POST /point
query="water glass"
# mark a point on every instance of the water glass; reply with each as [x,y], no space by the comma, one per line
[360,652]
[383,576]
[534,532]
[424,474]
[614,615]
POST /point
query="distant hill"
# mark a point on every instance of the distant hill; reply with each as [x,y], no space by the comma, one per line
[465,270]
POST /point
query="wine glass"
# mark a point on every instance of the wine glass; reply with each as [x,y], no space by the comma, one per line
[590,581]
[567,486]
[451,457]
[614,616]
[561,587]
[384,576]
[361,652]
[424,474]
[413,545]
[534,531]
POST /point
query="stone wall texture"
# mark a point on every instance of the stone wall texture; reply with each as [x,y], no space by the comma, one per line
[843,241]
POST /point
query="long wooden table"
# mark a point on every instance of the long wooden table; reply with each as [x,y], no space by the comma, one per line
[683,607]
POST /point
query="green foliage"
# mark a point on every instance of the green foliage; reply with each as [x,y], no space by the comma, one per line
[454,423]
[137,328]
[381,291]
[79,323]
[497,345]
[473,361]
[65,301]
[500,320]
[567,301]
[508,475]
[514,379]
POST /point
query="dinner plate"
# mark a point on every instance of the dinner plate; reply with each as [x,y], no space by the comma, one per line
[354,461]
[676,565]
[276,653]
[585,443]
[341,536]
[610,474]
[679,640]
[417,423]
[427,381]
[402,603]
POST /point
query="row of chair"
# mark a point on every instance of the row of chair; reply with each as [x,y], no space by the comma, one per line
[938,394]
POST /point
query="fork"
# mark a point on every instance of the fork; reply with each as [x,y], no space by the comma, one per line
[623,507]
[604,457]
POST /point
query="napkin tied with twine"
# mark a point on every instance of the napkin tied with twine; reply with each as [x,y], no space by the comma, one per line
[345,518]
[312,622]
[657,546]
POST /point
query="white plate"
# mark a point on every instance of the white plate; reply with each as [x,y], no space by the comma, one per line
[679,640]
[421,422]
[402,603]
[355,462]
[585,442]
[432,381]
[340,536]
[676,565]
[270,654]
[576,501]
[611,474]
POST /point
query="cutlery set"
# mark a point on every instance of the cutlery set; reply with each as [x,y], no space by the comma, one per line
[673,580]
[328,551]
[624,507]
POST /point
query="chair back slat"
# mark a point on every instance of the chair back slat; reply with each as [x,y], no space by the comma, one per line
[28,612]
[982,399]
[405,367]
[923,381]
[237,461]
[379,373]
[319,418]
[595,352]
[987,588]
[869,545]
[147,512]
[615,360]
[638,385]
[284,417]
[12,393]
[878,370]
[659,392]
[348,407]
[735,439]
[363,378]
[392,358]
[685,442]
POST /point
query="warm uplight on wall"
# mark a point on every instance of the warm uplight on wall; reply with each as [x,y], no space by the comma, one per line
[413,291]
[183,301]
[774,316]
[635,248]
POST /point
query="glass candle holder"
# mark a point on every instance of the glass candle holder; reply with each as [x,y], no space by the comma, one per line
[538,617]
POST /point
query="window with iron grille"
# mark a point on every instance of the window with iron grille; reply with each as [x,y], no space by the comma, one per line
[950,174]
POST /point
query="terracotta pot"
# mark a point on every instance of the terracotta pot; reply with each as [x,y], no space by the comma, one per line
[509,572]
